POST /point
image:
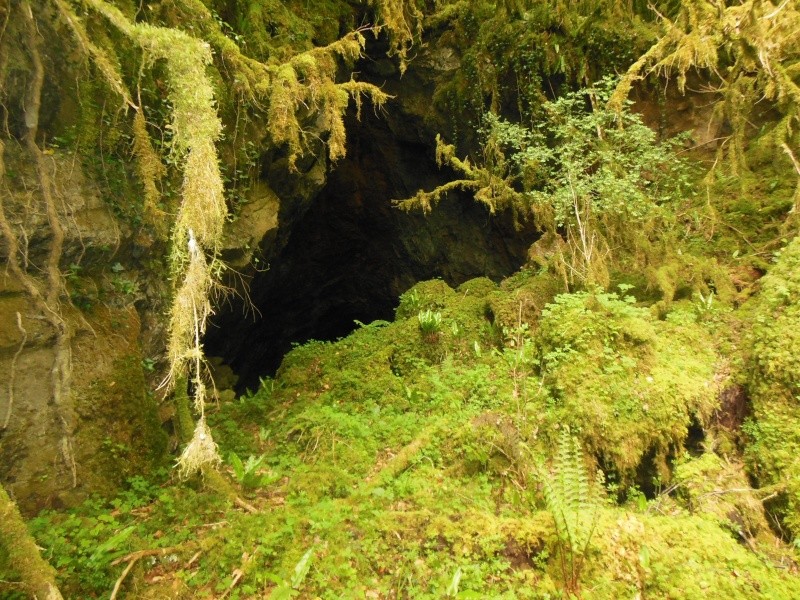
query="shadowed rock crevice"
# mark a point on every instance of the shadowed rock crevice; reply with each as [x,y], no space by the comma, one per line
[351,253]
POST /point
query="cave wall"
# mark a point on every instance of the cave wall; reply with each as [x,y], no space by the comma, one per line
[350,253]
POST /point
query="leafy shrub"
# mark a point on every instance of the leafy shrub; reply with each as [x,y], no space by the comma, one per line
[583,171]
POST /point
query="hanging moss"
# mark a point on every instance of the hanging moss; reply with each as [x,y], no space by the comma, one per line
[403,21]
[751,52]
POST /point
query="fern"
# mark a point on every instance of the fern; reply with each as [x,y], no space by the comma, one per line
[573,502]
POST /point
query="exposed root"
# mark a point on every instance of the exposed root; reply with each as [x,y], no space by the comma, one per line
[47,300]
[13,370]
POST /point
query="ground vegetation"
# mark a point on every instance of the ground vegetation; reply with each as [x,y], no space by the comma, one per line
[618,418]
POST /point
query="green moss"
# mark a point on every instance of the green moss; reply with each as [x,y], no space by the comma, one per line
[627,383]
[10,577]
[184,423]
[20,560]
[513,56]
[718,489]
[774,431]
[678,557]
[522,298]
[404,472]
[120,422]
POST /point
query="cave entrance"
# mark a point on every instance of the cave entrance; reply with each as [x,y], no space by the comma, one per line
[351,253]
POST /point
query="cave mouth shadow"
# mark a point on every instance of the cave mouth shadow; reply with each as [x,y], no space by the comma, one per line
[350,255]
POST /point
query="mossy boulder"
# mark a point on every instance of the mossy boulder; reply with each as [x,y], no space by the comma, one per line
[522,297]
[628,384]
[677,556]
[717,489]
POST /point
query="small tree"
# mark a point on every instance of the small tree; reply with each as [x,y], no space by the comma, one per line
[595,176]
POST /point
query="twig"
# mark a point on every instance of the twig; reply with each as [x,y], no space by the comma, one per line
[242,504]
[194,558]
[771,491]
[12,375]
[239,573]
[237,577]
[132,559]
[121,578]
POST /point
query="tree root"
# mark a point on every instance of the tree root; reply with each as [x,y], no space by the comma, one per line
[13,371]
[45,298]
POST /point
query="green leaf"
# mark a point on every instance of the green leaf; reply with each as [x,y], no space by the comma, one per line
[112,543]
[301,569]
[644,557]
[238,467]
[452,589]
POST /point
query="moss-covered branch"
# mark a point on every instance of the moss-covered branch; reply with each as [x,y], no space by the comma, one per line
[306,83]
[491,184]
[38,577]
[149,166]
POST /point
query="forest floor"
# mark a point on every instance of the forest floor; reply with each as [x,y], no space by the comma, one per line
[452,453]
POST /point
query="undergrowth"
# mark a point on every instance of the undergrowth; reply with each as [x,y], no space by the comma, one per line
[385,465]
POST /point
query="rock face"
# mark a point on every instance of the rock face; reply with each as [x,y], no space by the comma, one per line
[55,449]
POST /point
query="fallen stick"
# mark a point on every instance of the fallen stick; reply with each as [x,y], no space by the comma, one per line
[132,559]
[134,556]
[242,504]
[122,577]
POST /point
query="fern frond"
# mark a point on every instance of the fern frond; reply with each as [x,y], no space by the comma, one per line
[573,502]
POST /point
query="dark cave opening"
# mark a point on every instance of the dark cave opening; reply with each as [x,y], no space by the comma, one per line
[351,253]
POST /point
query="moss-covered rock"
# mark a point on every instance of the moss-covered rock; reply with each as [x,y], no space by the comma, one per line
[626,383]
[408,466]
[773,450]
